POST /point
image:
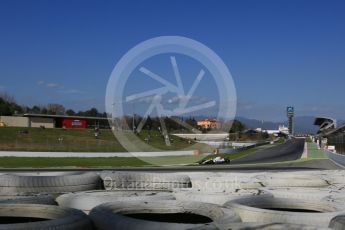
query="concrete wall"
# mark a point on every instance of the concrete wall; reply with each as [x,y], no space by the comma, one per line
[339,158]
[204,137]
[37,122]
[13,121]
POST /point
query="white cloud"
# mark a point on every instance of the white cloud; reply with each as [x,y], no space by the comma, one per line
[49,84]
[179,98]
[59,88]
[71,91]
[191,99]
[53,85]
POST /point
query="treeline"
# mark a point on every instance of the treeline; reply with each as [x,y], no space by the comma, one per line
[9,107]
[154,123]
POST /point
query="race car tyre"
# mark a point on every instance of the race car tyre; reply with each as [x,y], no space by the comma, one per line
[283,210]
[291,180]
[217,197]
[114,180]
[86,201]
[338,223]
[42,217]
[157,215]
[27,199]
[48,182]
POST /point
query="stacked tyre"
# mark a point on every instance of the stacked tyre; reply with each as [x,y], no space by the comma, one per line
[86,201]
[114,180]
[42,217]
[148,216]
[48,182]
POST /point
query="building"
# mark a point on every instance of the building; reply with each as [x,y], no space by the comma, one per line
[208,124]
[13,121]
[326,124]
[281,130]
[330,135]
[54,121]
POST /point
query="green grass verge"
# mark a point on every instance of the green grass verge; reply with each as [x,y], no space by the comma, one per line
[46,162]
[173,160]
[314,152]
[80,140]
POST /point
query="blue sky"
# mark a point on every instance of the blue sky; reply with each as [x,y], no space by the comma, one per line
[279,52]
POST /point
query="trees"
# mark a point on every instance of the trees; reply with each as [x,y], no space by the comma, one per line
[55,109]
[237,126]
[35,109]
[149,123]
[70,112]
[8,106]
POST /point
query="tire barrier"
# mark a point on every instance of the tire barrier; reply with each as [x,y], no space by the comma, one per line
[48,182]
[219,197]
[113,180]
[337,178]
[157,215]
[301,193]
[224,184]
[27,199]
[271,226]
[336,199]
[291,180]
[295,200]
[283,210]
[338,223]
[86,201]
[42,217]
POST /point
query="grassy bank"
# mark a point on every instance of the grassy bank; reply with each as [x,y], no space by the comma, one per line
[46,162]
[79,140]
[314,152]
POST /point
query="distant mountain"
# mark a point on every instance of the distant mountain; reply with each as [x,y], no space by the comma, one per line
[303,124]
[253,123]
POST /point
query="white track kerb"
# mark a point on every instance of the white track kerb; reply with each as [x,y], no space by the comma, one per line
[133,63]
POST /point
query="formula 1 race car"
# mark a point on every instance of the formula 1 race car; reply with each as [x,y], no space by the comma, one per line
[216,160]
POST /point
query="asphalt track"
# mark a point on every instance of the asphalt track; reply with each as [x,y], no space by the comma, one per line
[289,151]
[284,157]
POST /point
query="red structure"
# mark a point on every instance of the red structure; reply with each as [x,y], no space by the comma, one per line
[71,123]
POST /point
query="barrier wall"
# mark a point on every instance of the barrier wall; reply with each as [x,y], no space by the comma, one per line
[13,121]
[339,158]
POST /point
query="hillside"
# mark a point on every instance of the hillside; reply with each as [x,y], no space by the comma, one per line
[77,140]
[303,124]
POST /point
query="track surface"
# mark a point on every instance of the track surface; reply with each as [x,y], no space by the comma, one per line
[277,158]
[291,150]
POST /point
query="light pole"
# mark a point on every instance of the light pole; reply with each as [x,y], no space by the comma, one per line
[133,119]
